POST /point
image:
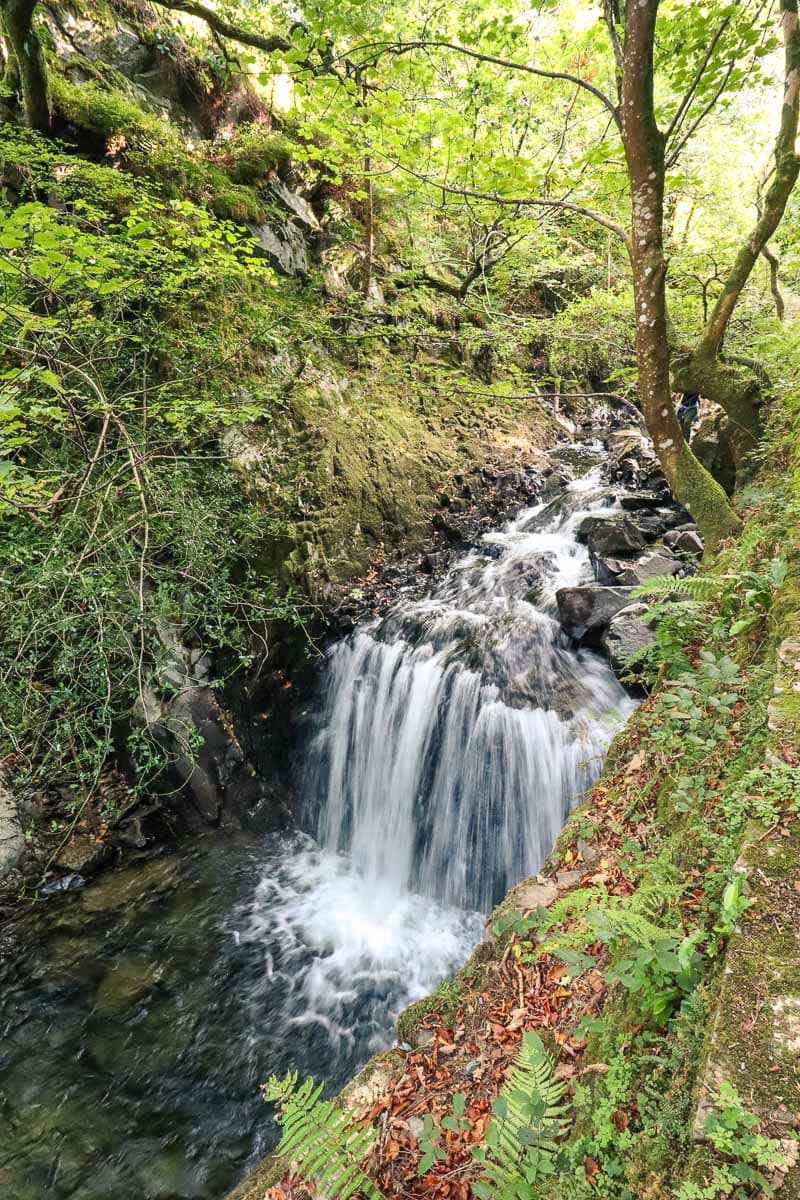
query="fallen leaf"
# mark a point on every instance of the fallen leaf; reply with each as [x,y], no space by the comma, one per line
[592,1168]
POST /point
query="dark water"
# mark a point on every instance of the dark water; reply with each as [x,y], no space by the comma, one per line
[139,1018]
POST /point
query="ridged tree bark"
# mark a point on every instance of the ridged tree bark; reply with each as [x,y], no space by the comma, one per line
[17,18]
[644,145]
[731,384]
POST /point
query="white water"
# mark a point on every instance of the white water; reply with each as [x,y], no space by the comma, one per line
[455,736]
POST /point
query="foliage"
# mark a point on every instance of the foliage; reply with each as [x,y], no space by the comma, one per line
[742,1153]
[115,493]
[528,1120]
[430,1145]
[319,1138]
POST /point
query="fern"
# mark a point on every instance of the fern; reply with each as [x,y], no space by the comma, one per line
[696,587]
[317,1136]
[528,1119]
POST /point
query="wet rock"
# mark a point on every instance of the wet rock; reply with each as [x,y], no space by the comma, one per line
[651,566]
[632,572]
[615,535]
[67,883]
[652,525]
[586,612]
[628,471]
[627,635]
[684,541]
[434,563]
[655,482]
[630,454]
[635,501]
[84,854]
[142,828]
[555,482]
[610,535]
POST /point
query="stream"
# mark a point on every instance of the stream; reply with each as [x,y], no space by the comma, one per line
[447,745]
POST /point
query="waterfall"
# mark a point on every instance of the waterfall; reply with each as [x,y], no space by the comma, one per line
[453,737]
[459,730]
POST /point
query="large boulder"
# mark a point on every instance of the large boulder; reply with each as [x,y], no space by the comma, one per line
[586,612]
[684,541]
[627,635]
[635,501]
[633,572]
[614,534]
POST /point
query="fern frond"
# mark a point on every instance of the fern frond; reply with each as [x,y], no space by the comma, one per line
[528,1119]
[696,587]
[319,1139]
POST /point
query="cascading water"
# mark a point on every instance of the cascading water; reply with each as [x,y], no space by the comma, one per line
[451,739]
[456,734]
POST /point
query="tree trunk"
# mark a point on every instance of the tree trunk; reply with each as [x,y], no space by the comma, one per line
[27,51]
[644,146]
[737,393]
[369,229]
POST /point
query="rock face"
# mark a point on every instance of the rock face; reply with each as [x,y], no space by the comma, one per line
[284,246]
[585,612]
[627,635]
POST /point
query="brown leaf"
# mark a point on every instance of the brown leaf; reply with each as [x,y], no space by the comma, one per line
[391,1149]
[592,1168]
[517,1019]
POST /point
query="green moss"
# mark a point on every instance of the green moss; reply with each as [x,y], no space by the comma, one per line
[706,500]
[254,152]
[149,146]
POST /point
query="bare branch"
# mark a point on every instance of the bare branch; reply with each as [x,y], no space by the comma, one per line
[611,19]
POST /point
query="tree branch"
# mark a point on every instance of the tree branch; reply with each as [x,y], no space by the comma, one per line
[522,202]
[495,60]
[690,91]
[676,152]
[224,28]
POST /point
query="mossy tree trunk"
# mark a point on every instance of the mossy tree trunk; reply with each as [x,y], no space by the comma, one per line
[26,50]
[738,391]
[644,145]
